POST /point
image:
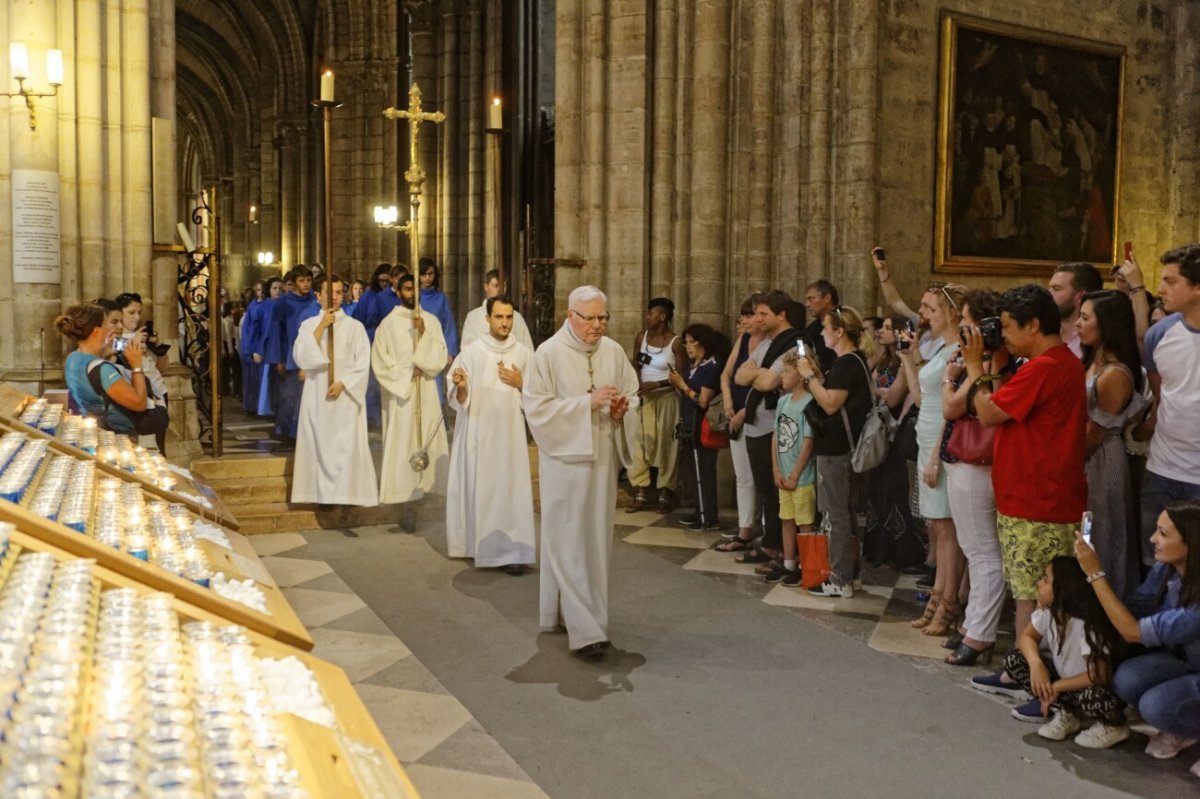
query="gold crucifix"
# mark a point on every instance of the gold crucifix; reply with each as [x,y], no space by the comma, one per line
[415,176]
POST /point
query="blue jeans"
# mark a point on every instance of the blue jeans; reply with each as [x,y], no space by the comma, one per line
[1157,493]
[1164,690]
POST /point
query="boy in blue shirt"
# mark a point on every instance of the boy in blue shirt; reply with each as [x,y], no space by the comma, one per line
[794,469]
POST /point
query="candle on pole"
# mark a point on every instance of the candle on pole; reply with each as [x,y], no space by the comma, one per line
[495,128]
[327,104]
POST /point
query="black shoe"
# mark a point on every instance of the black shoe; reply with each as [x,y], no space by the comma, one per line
[689,522]
[915,571]
[928,580]
[515,569]
[778,573]
[792,579]
[965,655]
[953,641]
[696,526]
[593,652]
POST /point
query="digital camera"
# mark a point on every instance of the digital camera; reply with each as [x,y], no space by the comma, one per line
[643,359]
[989,328]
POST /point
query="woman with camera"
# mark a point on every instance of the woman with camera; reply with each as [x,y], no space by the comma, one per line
[145,337]
[847,388]
[969,485]
[706,351]
[941,309]
[1116,395]
[88,372]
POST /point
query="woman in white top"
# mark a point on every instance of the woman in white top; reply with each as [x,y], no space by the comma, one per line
[130,304]
[657,351]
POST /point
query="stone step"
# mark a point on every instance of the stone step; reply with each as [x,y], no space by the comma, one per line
[242,466]
[280,517]
[237,492]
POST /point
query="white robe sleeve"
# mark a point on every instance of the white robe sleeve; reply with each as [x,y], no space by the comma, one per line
[353,371]
[562,427]
[308,354]
[626,438]
[460,362]
[521,330]
[391,358]
[431,353]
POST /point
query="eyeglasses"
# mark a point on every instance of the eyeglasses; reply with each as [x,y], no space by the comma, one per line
[601,318]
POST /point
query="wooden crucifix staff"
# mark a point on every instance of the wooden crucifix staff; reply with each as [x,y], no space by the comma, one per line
[415,176]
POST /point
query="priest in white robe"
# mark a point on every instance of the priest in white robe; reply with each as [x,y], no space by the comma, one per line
[489,505]
[333,457]
[408,354]
[476,323]
[581,404]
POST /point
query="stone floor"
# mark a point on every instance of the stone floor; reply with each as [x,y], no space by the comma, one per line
[714,673]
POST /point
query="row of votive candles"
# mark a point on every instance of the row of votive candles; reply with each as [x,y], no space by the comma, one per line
[184,717]
[20,458]
[43,415]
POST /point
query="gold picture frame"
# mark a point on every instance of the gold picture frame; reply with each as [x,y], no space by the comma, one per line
[1028,149]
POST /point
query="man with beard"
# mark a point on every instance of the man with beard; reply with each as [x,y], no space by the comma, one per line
[820,298]
[476,323]
[489,504]
[408,354]
[1068,284]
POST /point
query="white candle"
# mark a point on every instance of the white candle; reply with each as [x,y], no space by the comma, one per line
[54,67]
[495,115]
[327,86]
[19,58]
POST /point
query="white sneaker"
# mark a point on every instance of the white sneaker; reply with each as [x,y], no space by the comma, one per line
[856,584]
[1061,725]
[831,589]
[1101,736]
[1166,745]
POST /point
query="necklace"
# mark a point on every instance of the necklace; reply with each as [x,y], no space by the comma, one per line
[591,376]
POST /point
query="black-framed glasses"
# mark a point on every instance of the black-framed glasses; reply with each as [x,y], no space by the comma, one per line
[601,318]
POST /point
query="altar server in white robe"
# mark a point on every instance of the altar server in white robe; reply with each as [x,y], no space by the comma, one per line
[581,404]
[476,323]
[489,507]
[408,354]
[333,458]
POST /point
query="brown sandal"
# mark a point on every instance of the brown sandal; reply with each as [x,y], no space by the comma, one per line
[931,608]
[946,621]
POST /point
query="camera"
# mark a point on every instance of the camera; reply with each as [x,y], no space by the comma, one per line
[119,344]
[901,344]
[801,348]
[158,349]
[643,359]
[989,328]
[1085,527]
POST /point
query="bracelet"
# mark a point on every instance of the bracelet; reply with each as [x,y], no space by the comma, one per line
[983,380]
[1136,289]
[1094,577]
[137,371]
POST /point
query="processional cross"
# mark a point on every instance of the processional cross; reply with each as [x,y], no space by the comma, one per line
[415,176]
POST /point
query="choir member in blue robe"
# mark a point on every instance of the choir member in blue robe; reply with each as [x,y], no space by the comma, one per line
[434,300]
[286,316]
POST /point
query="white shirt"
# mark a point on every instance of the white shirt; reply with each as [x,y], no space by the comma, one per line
[1073,659]
[1173,353]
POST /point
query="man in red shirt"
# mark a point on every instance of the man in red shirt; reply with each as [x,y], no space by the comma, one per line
[1041,419]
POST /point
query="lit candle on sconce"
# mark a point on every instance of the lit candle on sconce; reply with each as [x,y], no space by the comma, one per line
[327,86]
[495,115]
[253,214]
[18,56]
[54,67]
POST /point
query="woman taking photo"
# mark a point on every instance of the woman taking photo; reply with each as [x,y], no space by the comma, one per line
[941,309]
[973,500]
[1162,615]
[847,387]
[86,325]
[1116,395]
[705,350]
[892,534]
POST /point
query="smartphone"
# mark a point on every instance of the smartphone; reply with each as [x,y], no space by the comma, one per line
[801,348]
[1085,527]
[963,332]
[1128,250]
[119,344]
[879,253]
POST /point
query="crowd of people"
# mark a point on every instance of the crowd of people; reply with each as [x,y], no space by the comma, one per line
[1042,447]
[1038,445]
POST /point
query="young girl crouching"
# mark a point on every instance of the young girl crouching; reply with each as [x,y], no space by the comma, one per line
[1065,658]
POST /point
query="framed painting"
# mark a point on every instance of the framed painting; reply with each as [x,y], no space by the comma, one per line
[1029,149]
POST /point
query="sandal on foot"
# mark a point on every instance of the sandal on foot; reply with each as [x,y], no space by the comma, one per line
[638,504]
[735,544]
[754,555]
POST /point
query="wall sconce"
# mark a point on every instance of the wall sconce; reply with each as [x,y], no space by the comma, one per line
[18,55]
[389,218]
[266,258]
[254,214]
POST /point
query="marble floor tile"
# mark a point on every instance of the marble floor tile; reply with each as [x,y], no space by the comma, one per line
[908,581]
[327,582]
[410,674]
[643,518]
[360,655]
[896,635]
[274,543]
[472,749]
[363,620]
[710,560]
[872,600]
[441,783]
[672,537]
[413,722]
[317,608]
[288,572]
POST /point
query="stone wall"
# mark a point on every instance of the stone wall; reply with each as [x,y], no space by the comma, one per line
[709,149]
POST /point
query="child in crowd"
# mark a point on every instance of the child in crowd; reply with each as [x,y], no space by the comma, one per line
[794,469]
[1065,658]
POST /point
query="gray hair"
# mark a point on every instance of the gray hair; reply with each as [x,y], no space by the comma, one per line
[582,294]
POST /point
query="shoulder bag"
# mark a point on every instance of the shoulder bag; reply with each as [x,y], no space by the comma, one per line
[872,446]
